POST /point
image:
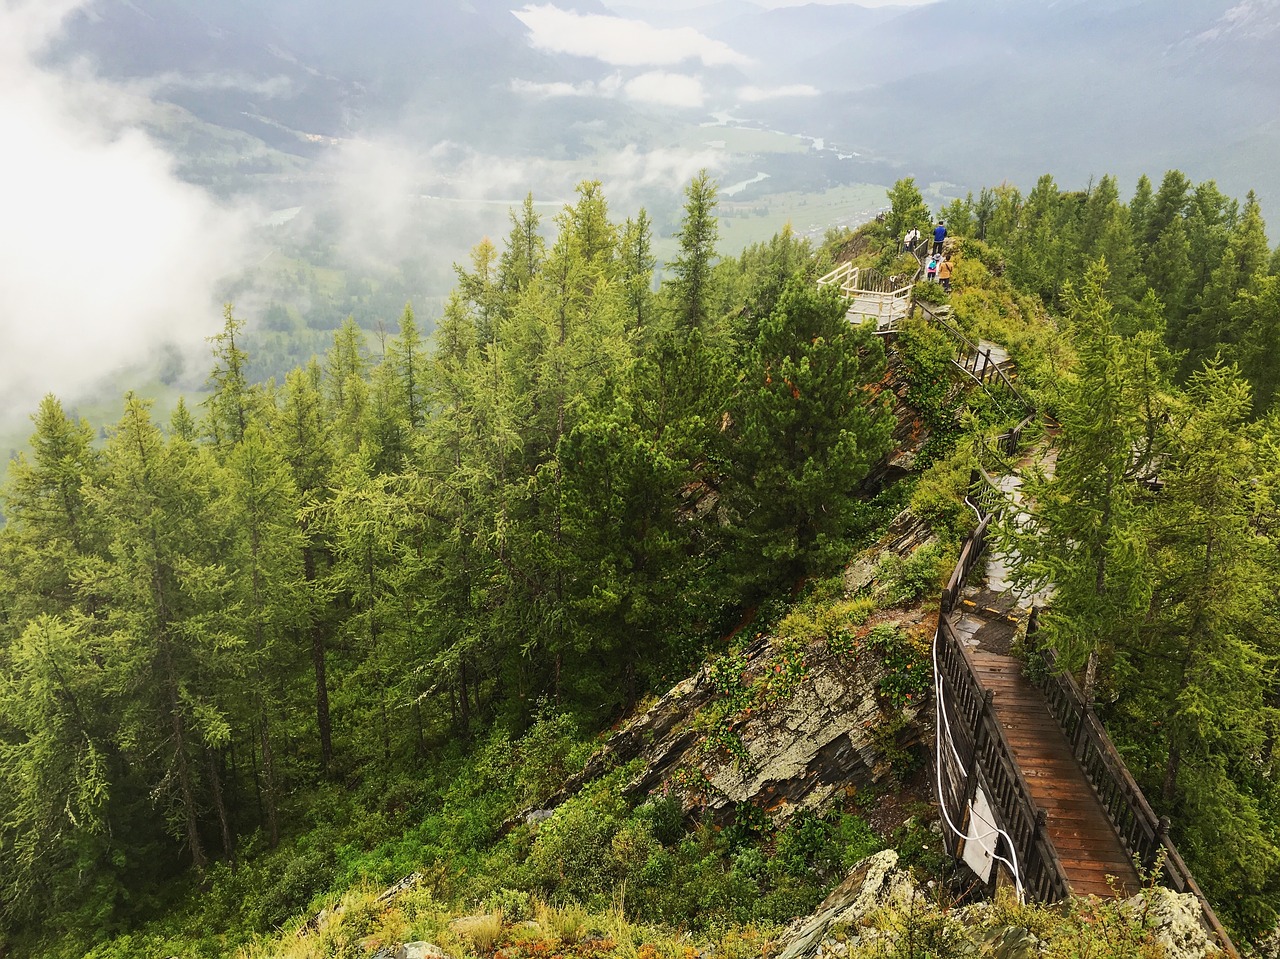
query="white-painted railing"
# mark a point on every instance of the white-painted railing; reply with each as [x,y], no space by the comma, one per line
[872,296]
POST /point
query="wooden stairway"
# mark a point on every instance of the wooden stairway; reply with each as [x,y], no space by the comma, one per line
[1092,856]
[1090,850]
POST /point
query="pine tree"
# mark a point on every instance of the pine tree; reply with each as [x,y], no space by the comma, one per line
[636,272]
[302,430]
[53,523]
[264,556]
[691,271]
[165,618]
[1085,541]
[55,775]
[1205,662]
[524,252]
[232,402]
[1257,313]
[907,210]
[346,389]
[808,429]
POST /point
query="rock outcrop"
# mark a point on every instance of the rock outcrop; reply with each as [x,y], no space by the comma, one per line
[827,736]
[852,919]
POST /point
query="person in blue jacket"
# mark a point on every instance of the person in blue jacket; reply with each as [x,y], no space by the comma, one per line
[939,234]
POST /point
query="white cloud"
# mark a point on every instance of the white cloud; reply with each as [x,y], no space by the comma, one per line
[653,87]
[622,42]
[270,87]
[666,89]
[108,256]
[547,91]
[757,94]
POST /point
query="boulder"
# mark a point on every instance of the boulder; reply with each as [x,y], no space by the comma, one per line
[1175,919]
[872,884]
[421,950]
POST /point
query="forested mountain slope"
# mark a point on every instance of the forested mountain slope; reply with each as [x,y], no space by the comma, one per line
[338,628]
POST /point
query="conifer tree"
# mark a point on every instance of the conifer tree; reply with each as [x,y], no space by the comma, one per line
[264,556]
[636,272]
[907,210]
[232,401]
[1086,540]
[1205,662]
[346,390]
[691,270]
[808,430]
[302,430]
[524,251]
[166,603]
[53,523]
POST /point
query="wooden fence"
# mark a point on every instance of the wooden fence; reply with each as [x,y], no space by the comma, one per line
[977,363]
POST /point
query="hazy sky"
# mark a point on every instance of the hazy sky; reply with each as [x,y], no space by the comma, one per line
[691,4]
[107,255]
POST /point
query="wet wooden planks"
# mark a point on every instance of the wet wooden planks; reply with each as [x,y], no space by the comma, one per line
[1077,823]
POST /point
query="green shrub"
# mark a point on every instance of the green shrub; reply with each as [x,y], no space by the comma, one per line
[907,665]
[572,855]
[905,580]
[938,498]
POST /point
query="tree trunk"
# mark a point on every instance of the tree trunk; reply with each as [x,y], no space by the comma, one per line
[318,662]
[269,771]
[186,786]
[220,807]
[1090,677]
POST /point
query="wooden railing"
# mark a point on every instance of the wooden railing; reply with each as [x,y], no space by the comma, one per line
[851,280]
[969,555]
[887,300]
[1144,834]
[977,363]
[986,761]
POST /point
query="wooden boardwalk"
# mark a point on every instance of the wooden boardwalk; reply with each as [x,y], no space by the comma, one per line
[1079,828]
[1090,850]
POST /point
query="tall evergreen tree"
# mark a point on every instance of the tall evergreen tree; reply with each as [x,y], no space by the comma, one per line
[808,430]
[691,270]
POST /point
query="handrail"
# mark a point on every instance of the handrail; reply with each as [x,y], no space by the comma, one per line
[851,280]
[972,359]
[1144,834]
[988,754]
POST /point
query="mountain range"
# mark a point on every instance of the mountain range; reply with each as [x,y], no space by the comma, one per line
[963,92]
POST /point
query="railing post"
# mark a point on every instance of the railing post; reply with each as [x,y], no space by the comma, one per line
[1031,868]
[1162,833]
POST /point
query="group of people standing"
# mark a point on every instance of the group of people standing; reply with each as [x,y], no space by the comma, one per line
[937,267]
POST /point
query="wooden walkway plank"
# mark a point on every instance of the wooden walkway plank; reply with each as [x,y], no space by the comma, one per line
[1092,856]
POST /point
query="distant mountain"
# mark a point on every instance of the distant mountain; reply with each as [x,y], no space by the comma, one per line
[278,68]
[960,91]
[975,91]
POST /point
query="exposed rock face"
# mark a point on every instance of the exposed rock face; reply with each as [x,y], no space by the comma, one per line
[874,883]
[825,737]
[1176,921]
[800,754]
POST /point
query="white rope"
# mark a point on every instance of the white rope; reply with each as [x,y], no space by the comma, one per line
[943,720]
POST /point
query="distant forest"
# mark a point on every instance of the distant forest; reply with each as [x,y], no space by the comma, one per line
[560,503]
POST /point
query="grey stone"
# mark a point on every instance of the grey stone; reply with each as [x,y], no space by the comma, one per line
[421,950]
[874,883]
[1175,920]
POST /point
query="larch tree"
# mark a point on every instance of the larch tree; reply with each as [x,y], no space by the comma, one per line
[691,270]
[171,653]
